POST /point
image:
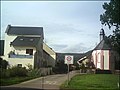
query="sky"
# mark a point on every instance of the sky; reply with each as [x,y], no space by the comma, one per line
[69,26]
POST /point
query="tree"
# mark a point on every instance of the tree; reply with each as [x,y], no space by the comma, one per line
[3,63]
[111,18]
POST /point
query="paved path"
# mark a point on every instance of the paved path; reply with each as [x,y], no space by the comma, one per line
[47,82]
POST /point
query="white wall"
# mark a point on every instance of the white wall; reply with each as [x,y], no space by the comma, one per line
[97,54]
[97,57]
[7,48]
[18,50]
[22,50]
[106,59]
[23,61]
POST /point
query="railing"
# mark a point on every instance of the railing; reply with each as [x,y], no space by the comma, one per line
[20,56]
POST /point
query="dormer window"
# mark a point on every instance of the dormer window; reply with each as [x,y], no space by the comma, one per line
[31,39]
[21,39]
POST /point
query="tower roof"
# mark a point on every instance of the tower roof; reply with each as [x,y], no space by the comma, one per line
[102,32]
[102,46]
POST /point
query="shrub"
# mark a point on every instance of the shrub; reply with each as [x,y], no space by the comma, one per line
[3,63]
[34,73]
[4,73]
[17,71]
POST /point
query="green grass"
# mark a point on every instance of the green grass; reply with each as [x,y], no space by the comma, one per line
[13,80]
[92,81]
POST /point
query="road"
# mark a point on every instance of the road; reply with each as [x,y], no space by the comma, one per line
[46,83]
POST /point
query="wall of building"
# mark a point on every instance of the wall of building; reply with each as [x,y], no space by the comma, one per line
[22,50]
[49,61]
[38,59]
[101,59]
[7,48]
[24,61]
[49,55]
[106,60]
[34,61]
[114,60]
[49,51]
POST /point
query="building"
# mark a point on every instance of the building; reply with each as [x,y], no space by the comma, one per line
[24,46]
[85,63]
[61,67]
[103,56]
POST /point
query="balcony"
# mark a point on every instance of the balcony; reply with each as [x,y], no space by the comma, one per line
[20,56]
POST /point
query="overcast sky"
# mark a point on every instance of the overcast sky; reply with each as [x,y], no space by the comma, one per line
[69,26]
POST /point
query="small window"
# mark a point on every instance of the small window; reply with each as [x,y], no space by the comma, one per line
[19,65]
[31,39]
[29,51]
[21,39]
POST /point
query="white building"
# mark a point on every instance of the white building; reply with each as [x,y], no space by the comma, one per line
[23,46]
[103,56]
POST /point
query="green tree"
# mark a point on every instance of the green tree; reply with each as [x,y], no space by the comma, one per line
[3,64]
[111,18]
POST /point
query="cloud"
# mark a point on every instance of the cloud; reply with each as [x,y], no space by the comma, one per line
[58,47]
[68,27]
[76,48]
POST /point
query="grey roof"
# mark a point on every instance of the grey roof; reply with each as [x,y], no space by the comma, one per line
[87,54]
[102,46]
[20,30]
[61,56]
[25,41]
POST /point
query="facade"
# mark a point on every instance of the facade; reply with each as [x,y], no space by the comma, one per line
[23,46]
[104,57]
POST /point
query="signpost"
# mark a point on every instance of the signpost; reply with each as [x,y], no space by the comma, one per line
[68,60]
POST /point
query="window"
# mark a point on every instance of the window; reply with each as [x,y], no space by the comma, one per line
[19,65]
[31,39]
[21,39]
[29,51]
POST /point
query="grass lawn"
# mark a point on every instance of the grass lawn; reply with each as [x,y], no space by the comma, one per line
[92,81]
[13,80]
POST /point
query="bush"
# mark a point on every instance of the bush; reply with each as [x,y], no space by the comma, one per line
[3,63]
[34,73]
[4,73]
[17,71]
